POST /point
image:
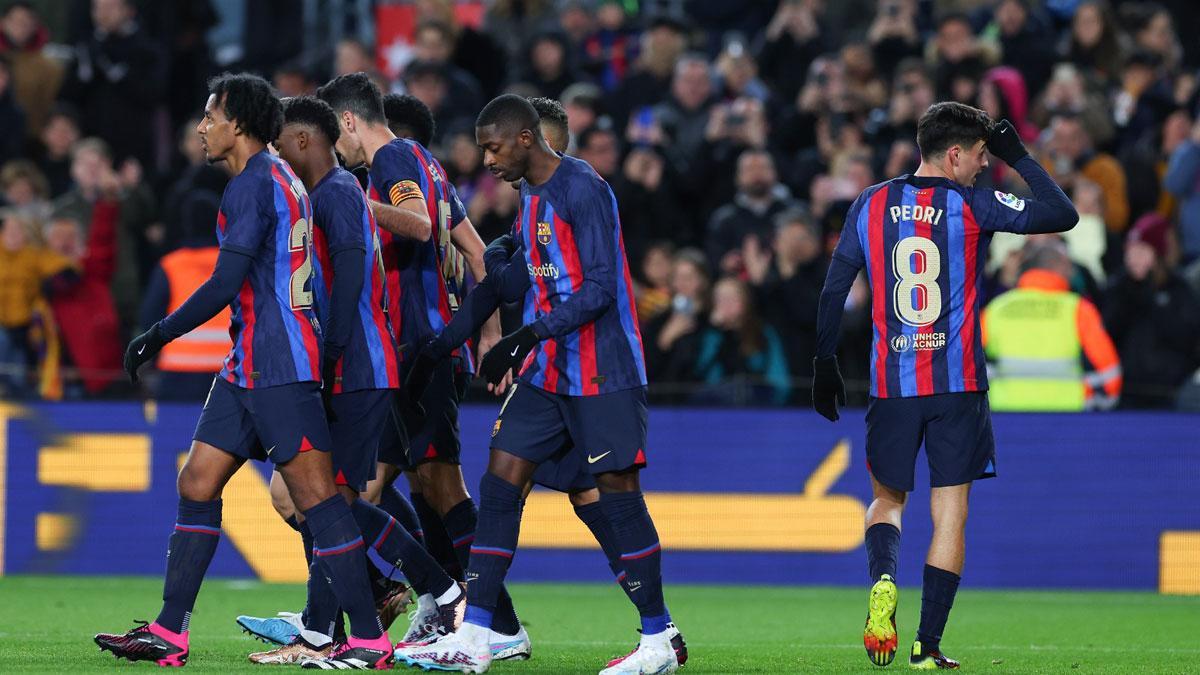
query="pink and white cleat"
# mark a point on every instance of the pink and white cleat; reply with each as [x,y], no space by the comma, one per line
[147,642]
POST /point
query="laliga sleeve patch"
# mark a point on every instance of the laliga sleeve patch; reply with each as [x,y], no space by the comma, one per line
[1008,199]
[404,191]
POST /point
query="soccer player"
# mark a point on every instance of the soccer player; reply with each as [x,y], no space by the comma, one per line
[266,402]
[424,282]
[923,240]
[358,369]
[582,382]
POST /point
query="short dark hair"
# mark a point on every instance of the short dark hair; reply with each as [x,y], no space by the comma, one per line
[949,123]
[586,136]
[355,92]
[408,112]
[250,101]
[314,112]
[550,111]
[510,112]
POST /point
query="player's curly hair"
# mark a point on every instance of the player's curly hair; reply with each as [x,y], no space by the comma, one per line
[550,111]
[408,117]
[251,102]
[357,93]
[313,112]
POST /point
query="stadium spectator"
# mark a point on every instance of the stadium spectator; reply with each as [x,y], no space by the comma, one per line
[118,81]
[577,20]
[654,287]
[957,57]
[647,201]
[25,189]
[740,359]
[738,74]
[434,43]
[1182,179]
[760,197]
[1026,42]
[863,84]
[600,147]
[670,338]
[790,43]
[36,77]
[584,102]
[1145,99]
[1069,94]
[512,23]
[292,79]
[893,34]
[193,178]
[610,51]
[549,70]
[24,267]
[474,51]
[429,83]
[650,79]
[58,136]
[1154,316]
[1038,335]
[1153,29]
[1095,43]
[1071,153]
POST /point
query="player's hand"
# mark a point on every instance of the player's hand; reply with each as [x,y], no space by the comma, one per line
[142,349]
[1004,142]
[328,377]
[499,389]
[828,389]
[509,353]
[420,373]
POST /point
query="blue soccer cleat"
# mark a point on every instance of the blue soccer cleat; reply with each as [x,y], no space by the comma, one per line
[281,630]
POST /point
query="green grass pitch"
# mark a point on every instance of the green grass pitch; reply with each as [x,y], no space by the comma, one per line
[46,624]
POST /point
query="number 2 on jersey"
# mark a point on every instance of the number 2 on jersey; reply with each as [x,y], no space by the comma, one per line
[300,239]
[916,262]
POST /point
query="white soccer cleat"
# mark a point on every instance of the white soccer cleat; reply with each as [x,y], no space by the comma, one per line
[467,651]
[510,647]
[653,656]
[424,622]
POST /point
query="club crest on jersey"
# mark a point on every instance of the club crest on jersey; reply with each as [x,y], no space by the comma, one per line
[1010,200]
[544,233]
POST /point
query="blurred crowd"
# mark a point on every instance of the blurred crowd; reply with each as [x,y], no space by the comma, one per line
[734,134]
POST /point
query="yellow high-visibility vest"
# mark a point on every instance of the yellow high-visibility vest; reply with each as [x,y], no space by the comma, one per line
[1033,346]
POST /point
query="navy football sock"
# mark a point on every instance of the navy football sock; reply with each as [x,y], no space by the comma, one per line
[937,597]
[593,516]
[395,505]
[883,548]
[461,522]
[641,556]
[342,557]
[321,611]
[437,539]
[495,542]
[191,549]
[397,546]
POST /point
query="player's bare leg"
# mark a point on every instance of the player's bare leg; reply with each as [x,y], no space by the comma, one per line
[191,548]
[883,545]
[943,567]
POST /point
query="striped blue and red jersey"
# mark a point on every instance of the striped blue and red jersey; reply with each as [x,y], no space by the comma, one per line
[425,279]
[265,214]
[343,221]
[580,296]
[923,242]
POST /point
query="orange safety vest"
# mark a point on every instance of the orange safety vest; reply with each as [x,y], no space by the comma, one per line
[202,350]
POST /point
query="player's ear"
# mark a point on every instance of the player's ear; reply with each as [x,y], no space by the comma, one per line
[348,121]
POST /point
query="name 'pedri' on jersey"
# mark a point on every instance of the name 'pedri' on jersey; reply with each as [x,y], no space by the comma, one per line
[265,214]
[425,279]
[571,234]
[923,242]
[344,222]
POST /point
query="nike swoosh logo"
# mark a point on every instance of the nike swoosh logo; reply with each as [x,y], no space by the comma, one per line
[270,449]
[593,460]
[141,349]
[513,353]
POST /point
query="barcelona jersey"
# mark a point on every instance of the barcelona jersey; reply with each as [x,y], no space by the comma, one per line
[580,294]
[265,214]
[344,222]
[923,243]
[425,279]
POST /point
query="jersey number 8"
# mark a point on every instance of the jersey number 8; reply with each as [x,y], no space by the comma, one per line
[916,262]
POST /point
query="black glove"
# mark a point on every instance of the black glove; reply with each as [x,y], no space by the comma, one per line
[1004,142]
[420,373]
[509,353]
[828,389]
[328,377]
[142,349]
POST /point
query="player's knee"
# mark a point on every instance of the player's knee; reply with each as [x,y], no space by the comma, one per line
[193,485]
[619,481]
[280,500]
[584,498]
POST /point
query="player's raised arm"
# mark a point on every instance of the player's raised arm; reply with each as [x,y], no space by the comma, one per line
[1050,210]
[828,389]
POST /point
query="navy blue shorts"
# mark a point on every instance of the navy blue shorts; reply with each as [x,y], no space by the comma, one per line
[955,428]
[393,442]
[362,417]
[607,432]
[275,423]
[434,438]
[565,472]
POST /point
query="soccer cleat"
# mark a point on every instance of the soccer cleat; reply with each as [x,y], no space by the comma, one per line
[678,644]
[654,655]
[280,630]
[930,659]
[298,651]
[393,604]
[879,635]
[429,621]
[510,647]
[147,642]
[455,652]
[356,654]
